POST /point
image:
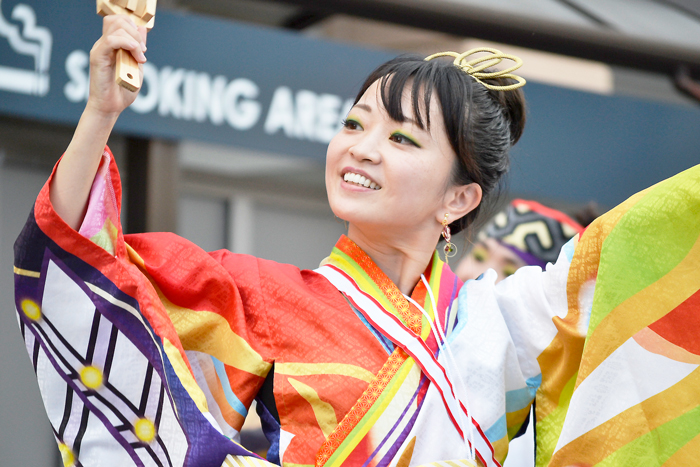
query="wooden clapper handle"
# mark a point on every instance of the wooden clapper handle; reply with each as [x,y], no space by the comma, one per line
[143,13]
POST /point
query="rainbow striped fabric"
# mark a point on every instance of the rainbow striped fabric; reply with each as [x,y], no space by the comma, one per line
[635,397]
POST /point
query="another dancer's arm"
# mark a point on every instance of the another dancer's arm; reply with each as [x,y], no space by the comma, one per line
[71,183]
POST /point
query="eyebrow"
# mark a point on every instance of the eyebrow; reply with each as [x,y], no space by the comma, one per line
[367,108]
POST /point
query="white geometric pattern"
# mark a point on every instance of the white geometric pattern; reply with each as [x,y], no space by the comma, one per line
[121,401]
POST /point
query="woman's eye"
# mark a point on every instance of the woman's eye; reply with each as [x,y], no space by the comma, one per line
[509,270]
[352,124]
[480,255]
[403,139]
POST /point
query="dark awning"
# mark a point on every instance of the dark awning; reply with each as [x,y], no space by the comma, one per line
[656,35]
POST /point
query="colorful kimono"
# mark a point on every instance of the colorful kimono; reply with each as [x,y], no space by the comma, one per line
[149,351]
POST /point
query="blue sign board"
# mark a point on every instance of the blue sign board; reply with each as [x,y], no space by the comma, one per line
[281,92]
[206,79]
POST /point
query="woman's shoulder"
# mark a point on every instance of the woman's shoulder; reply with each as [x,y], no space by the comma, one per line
[241,264]
[287,282]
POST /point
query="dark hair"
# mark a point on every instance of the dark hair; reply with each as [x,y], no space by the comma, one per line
[481,124]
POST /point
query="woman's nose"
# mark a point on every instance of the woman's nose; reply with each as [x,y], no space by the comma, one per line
[366,148]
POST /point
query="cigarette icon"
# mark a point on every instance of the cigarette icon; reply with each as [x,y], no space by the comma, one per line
[30,40]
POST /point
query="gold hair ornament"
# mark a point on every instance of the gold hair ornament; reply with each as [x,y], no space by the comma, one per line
[476,66]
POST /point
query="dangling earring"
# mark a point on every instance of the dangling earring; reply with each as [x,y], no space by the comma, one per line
[450,248]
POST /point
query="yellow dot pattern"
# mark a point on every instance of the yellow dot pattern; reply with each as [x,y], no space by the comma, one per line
[91,377]
[66,455]
[145,430]
[31,309]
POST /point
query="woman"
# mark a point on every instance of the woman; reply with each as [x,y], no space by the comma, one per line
[149,351]
[525,233]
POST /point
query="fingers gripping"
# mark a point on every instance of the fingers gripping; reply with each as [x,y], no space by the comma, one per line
[142,13]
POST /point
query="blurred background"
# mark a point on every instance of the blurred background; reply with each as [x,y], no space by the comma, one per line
[226,142]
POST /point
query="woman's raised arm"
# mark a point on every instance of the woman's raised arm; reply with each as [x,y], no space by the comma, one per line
[71,184]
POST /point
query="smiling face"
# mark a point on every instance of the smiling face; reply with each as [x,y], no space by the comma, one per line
[388,176]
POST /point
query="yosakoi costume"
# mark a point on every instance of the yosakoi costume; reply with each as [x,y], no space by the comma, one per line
[149,351]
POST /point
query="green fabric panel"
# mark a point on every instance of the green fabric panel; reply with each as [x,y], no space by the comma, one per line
[549,429]
[655,447]
[656,233]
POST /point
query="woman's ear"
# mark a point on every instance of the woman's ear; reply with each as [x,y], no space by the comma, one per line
[461,200]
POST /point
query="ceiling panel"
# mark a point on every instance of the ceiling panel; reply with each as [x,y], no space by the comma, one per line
[548,10]
[253,11]
[647,19]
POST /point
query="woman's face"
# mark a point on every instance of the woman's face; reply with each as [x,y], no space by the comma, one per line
[489,254]
[389,175]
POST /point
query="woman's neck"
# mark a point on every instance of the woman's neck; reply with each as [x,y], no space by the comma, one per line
[402,259]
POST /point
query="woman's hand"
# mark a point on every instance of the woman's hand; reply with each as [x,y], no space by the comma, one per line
[118,32]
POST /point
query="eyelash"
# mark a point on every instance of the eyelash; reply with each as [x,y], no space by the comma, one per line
[348,123]
[404,138]
[397,137]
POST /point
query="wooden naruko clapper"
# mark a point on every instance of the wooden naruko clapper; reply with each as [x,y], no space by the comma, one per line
[143,13]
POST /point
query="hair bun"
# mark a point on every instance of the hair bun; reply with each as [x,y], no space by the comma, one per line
[514,108]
